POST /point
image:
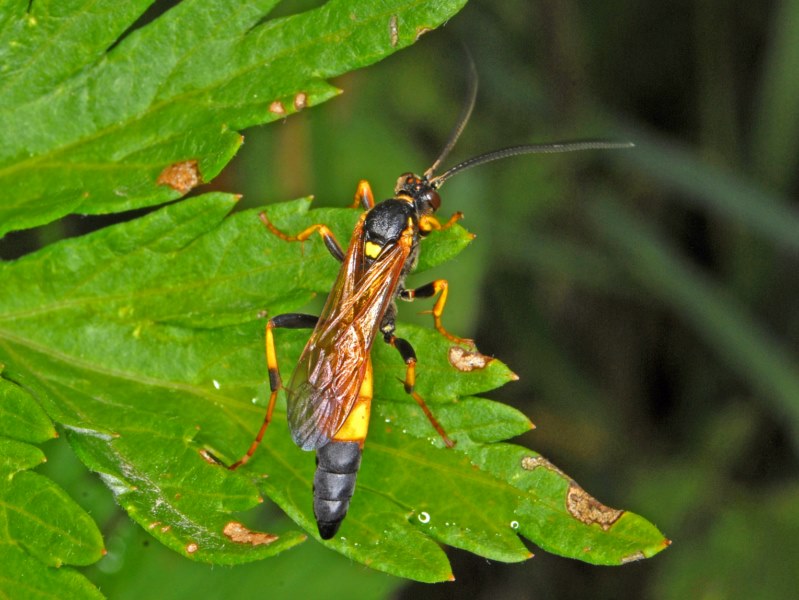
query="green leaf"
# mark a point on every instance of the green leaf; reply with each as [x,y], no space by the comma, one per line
[41,527]
[21,417]
[562,518]
[144,340]
[91,131]
[148,568]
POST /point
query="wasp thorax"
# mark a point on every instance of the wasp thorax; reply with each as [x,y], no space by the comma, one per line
[386,221]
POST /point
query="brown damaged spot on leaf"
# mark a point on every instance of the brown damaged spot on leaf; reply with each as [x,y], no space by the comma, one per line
[277,108]
[580,504]
[530,463]
[466,361]
[420,31]
[191,548]
[300,101]
[633,557]
[239,534]
[393,30]
[587,509]
[181,176]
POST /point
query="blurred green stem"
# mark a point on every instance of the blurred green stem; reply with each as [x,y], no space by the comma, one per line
[725,325]
[775,137]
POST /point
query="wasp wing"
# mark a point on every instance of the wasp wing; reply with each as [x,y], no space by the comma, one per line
[330,371]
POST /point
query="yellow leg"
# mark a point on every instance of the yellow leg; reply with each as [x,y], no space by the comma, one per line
[364,196]
[327,236]
[289,321]
[440,287]
[428,223]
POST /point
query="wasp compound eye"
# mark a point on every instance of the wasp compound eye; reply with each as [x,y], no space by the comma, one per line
[432,198]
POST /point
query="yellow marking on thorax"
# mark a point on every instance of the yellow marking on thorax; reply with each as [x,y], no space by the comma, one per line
[372,250]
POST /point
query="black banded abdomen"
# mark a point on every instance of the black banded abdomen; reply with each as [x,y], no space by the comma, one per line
[337,465]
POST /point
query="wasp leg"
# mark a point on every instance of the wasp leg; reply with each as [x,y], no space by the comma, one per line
[409,356]
[330,240]
[287,321]
[428,223]
[439,286]
[364,196]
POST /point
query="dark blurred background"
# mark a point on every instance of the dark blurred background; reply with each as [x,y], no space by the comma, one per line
[646,298]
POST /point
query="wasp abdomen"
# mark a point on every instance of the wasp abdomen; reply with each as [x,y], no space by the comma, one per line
[337,465]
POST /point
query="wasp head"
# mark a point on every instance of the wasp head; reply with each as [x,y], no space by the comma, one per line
[420,191]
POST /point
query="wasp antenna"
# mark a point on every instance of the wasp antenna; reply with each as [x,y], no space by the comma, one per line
[463,119]
[552,148]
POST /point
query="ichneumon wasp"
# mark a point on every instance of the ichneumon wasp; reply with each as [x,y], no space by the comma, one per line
[329,395]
